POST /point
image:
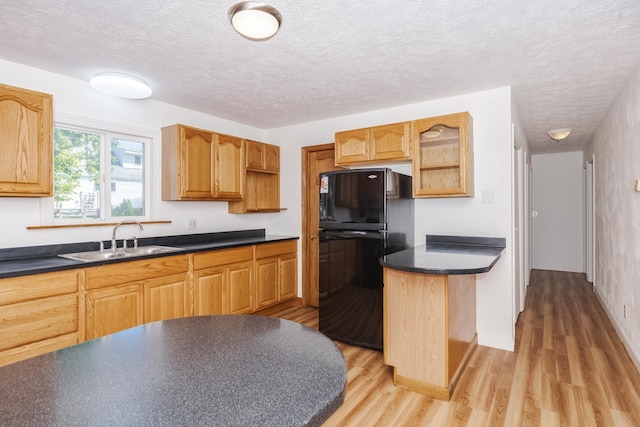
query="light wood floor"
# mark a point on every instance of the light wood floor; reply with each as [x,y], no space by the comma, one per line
[568,369]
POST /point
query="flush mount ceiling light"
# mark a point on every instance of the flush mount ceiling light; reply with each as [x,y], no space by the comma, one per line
[120,85]
[559,134]
[255,21]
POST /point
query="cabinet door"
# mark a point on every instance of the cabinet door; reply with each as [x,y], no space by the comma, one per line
[266,282]
[352,146]
[255,155]
[288,285]
[113,309]
[391,142]
[197,160]
[239,288]
[443,156]
[208,291]
[26,142]
[271,158]
[165,298]
[229,167]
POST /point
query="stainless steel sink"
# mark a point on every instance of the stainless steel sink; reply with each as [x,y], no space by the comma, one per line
[149,250]
[90,256]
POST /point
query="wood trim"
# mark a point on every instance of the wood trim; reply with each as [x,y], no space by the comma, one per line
[38,348]
[306,285]
[102,224]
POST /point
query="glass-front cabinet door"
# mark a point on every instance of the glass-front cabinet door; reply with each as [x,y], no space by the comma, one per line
[443,156]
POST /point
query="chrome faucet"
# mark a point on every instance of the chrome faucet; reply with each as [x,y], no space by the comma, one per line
[114,243]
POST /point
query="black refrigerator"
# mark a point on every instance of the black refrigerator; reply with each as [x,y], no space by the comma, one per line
[364,214]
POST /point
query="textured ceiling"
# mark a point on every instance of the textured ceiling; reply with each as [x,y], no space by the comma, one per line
[566,60]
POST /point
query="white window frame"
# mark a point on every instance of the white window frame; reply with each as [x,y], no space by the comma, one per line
[107,131]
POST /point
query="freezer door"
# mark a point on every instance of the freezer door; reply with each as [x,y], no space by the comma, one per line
[350,307]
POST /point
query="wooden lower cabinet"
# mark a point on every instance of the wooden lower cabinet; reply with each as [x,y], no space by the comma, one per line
[113,309]
[46,312]
[36,317]
[125,295]
[276,273]
[223,281]
[288,285]
[165,298]
[267,279]
[429,329]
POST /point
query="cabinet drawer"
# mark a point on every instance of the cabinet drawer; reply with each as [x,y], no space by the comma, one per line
[25,288]
[222,257]
[275,249]
[36,320]
[108,275]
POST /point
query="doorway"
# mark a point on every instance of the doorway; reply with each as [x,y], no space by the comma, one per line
[557,222]
[315,160]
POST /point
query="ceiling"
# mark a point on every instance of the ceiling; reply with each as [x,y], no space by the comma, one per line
[565,60]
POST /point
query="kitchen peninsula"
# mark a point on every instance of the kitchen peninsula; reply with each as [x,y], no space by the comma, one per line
[430,310]
[207,370]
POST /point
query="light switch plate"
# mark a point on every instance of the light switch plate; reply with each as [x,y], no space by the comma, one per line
[637,188]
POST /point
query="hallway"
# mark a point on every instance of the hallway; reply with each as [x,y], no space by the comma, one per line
[568,369]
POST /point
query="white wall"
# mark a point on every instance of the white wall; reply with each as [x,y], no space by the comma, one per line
[558,197]
[74,100]
[616,146]
[491,112]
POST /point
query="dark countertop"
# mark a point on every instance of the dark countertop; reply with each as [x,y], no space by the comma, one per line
[448,255]
[210,370]
[43,259]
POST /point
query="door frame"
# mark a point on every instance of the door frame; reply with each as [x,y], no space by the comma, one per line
[306,232]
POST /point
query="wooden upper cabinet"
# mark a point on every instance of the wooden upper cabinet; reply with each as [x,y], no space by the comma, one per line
[271,158]
[263,157]
[188,156]
[26,142]
[198,164]
[443,160]
[352,146]
[229,168]
[390,142]
[262,180]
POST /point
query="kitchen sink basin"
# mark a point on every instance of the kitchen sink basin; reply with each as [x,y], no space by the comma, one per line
[148,250]
[91,256]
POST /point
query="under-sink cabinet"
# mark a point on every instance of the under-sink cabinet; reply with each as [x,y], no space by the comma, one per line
[124,295]
[36,317]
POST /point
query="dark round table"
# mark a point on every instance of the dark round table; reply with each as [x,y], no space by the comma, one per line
[227,370]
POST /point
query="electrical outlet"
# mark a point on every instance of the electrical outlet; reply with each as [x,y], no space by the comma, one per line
[192,224]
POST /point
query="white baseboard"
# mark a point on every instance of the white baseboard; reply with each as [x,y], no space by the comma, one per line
[496,341]
[635,358]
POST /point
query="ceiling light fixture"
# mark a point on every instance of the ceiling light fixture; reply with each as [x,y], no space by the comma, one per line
[255,21]
[559,134]
[120,85]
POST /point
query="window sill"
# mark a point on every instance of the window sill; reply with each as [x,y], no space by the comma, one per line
[101,224]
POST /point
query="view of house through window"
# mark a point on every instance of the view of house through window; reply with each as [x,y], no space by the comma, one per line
[98,176]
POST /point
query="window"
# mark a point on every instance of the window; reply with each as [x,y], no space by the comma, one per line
[98,176]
